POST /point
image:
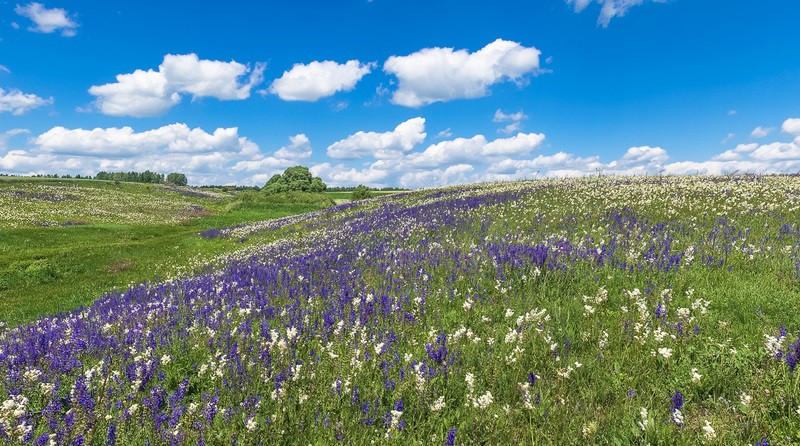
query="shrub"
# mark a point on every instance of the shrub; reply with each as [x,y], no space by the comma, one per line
[361,192]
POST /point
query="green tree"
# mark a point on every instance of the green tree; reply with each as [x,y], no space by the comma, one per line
[294,179]
[361,192]
[177,179]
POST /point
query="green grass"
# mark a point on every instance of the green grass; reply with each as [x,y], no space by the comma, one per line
[46,270]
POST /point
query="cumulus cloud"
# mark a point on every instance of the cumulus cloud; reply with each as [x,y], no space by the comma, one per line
[477,148]
[152,93]
[125,142]
[390,144]
[299,148]
[48,20]
[341,175]
[791,126]
[18,103]
[216,157]
[609,8]
[443,74]
[318,80]
[458,173]
[760,132]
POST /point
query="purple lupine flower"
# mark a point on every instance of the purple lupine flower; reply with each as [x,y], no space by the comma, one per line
[660,311]
[791,361]
[451,437]
[111,438]
[677,405]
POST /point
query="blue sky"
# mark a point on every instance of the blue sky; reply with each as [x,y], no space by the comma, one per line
[400,92]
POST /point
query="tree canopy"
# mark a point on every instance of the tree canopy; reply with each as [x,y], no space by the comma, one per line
[294,179]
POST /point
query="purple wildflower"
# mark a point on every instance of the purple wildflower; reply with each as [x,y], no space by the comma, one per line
[451,437]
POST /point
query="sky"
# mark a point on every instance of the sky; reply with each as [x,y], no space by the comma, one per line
[400,93]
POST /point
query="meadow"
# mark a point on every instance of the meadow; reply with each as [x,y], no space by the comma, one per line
[600,311]
[65,242]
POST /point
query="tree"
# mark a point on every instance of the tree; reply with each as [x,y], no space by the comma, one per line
[297,178]
[177,179]
[361,192]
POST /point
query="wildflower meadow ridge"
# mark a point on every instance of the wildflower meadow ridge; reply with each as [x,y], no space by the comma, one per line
[642,310]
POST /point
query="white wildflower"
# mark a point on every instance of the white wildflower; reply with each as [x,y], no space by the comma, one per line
[665,352]
[677,416]
[438,405]
[745,399]
[644,421]
[696,377]
[484,400]
[708,431]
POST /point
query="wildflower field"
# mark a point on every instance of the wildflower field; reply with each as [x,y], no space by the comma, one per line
[597,311]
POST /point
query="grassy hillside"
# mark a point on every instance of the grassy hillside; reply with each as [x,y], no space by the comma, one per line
[597,311]
[64,242]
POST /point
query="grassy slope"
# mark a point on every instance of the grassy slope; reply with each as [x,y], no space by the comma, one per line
[45,270]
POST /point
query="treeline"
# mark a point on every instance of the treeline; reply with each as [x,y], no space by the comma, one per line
[147,176]
[49,175]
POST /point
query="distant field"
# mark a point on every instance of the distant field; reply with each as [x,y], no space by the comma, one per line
[609,311]
[64,242]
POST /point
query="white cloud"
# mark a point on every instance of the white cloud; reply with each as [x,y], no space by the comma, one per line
[476,148]
[299,148]
[4,69]
[269,163]
[217,157]
[499,116]
[609,8]
[644,155]
[443,74]
[8,134]
[18,103]
[515,120]
[791,126]
[21,161]
[727,138]
[760,132]
[48,20]
[210,78]
[446,133]
[341,175]
[125,142]
[776,151]
[732,112]
[455,174]
[152,93]
[511,128]
[138,94]
[380,145]
[318,80]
